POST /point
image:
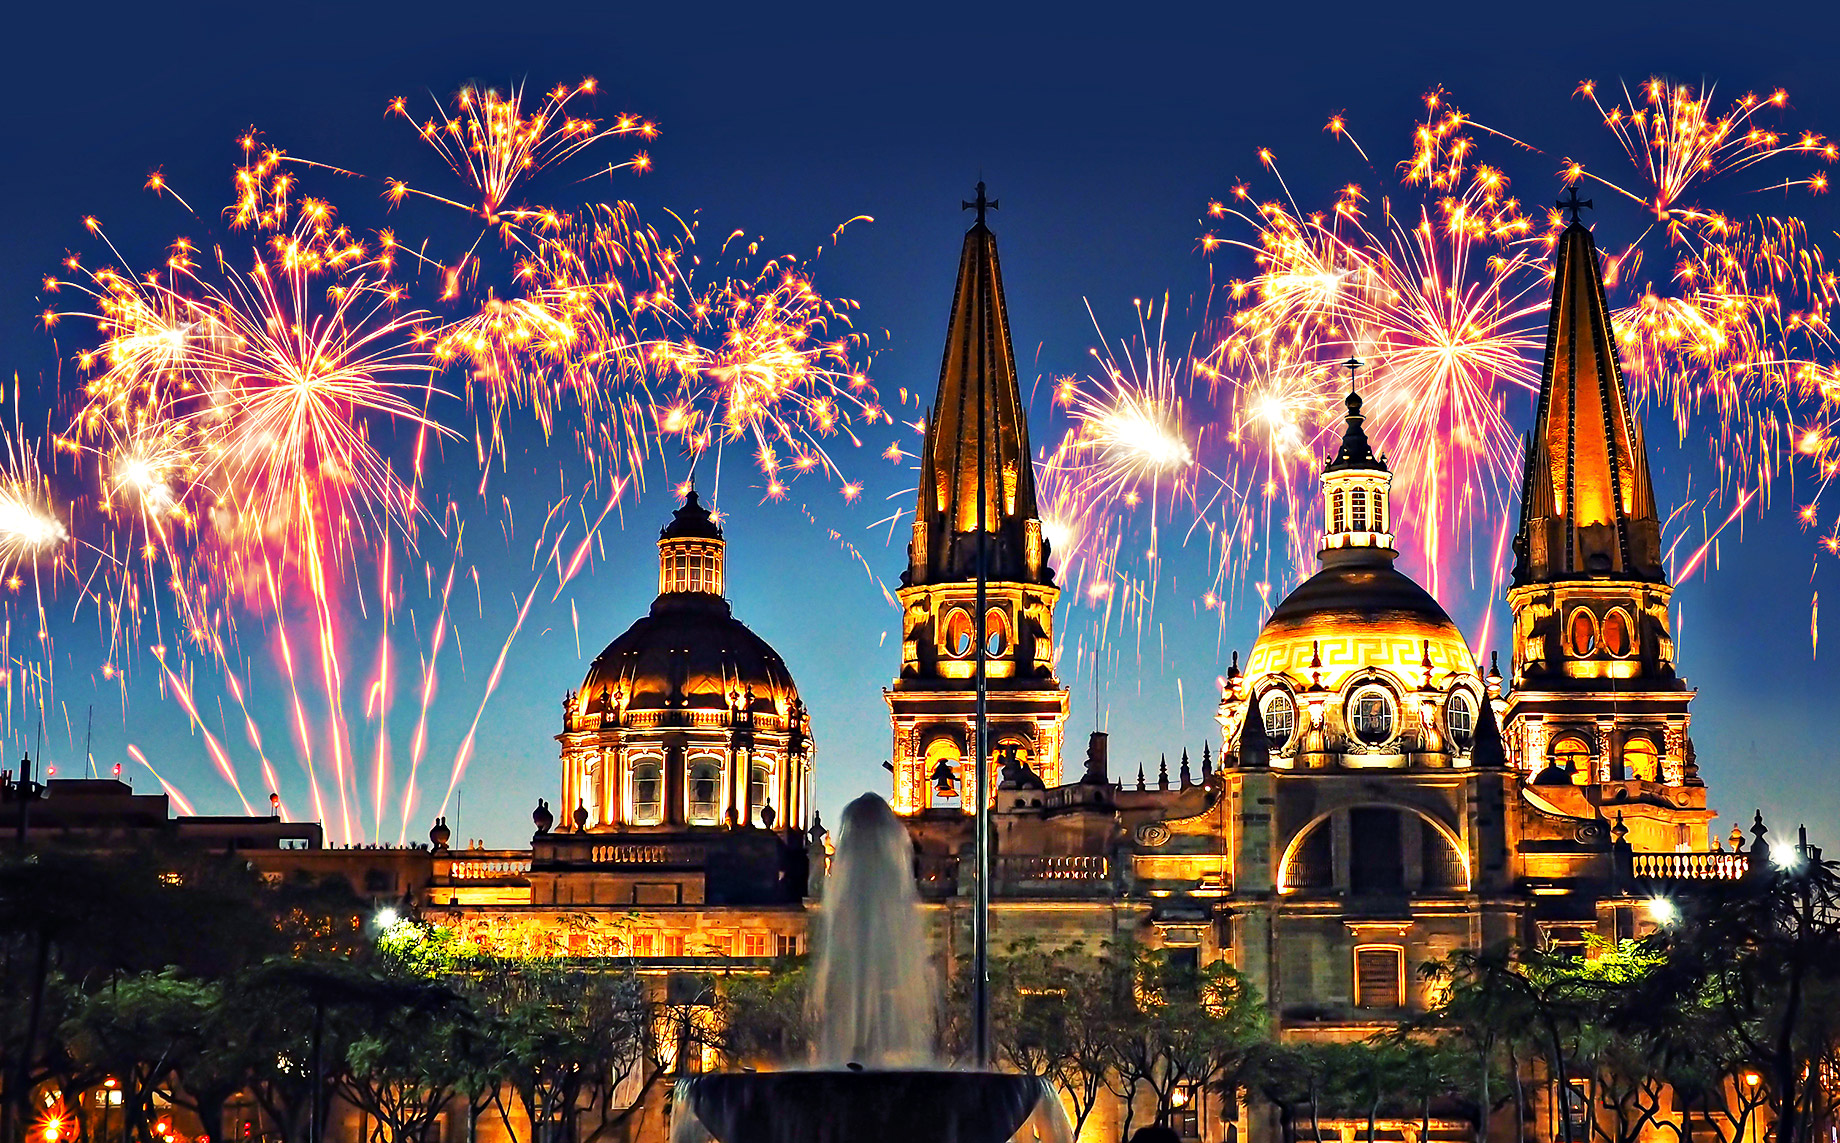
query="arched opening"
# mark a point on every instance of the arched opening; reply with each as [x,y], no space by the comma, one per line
[760,783]
[1616,639]
[1584,633]
[1280,717]
[960,639]
[1459,718]
[647,784]
[1312,860]
[1337,514]
[1391,850]
[1357,510]
[943,748]
[1574,754]
[1641,761]
[1379,513]
[705,792]
[996,632]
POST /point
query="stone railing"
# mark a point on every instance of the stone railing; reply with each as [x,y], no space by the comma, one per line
[488,868]
[1070,868]
[1712,866]
[631,853]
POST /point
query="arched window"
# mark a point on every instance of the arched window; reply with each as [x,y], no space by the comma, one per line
[1358,511]
[705,793]
[1459,718]
[1337,517]
[647,793]
[1280,717]
[996,632]
[1574,754]
[943,749]
[1616,640]
[1370,716]
[1312,861]
[959,640]
[1379,513]
[760,780]
[1641,762]
[1584,633]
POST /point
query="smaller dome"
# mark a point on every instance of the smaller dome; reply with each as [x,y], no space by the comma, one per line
[691,521]
[1357,616]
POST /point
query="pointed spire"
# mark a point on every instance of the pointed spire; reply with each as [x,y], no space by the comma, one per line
[1162,773]
[1355,452]
[1187,778]
[979,363]
[1207,763]
[1486,751]
[1140,775]
[1587,503]
[1254,745]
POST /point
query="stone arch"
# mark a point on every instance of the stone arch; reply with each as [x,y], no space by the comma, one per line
[1321,822]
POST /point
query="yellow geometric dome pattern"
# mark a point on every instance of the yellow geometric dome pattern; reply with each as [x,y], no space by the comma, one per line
[1354,618]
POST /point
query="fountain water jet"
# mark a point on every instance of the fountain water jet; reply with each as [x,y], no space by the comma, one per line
[874,1002]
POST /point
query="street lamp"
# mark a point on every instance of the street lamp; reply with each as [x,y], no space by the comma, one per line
[1663,911]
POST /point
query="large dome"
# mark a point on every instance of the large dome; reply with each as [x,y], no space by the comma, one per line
[690,652]
[1359,616]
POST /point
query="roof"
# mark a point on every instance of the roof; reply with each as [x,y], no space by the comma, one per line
[1358,615]
[690,651]
[691,521]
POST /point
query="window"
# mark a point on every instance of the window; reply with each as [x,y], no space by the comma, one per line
[1379,976]
[1572,753]
[784,945]
[759,779]
[671,944]
[1376,857]
[1584,632]
[1280,717]
[647,793]
[1358,510]
[753,944]
[1459,718]
[1379,513]
[959,641]
[1616,638]
[1312,863]
[705,793]
[1641,762]
[996,632]
[1372,716]
[1185,1109]
[1336,516]
[645,944]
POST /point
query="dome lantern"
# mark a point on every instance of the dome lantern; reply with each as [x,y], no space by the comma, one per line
[1355,486]
[691,552]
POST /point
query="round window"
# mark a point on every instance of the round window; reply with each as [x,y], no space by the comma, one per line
[1280,717]
[1459,718]
[1616,634]
[996,632]
[1584,632]
[1371,716]
[959,640]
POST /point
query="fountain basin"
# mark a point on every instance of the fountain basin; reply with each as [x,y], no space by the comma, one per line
[893,1106]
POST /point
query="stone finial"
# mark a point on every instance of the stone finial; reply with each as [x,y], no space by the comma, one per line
[440,835]
[767,817]
[1187,779]
[1254,743]
[1162,773]
[580,817]
[1486,751]
[1207,763]
[541,817]
[1140,776]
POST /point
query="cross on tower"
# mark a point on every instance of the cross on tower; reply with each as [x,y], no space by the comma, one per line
[1573,203]
[1353,365]
[980,205]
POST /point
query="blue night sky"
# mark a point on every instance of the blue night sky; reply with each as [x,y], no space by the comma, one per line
[1104,134]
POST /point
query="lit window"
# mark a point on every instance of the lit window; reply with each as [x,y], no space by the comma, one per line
[1372,716]
[1640,760]
[784,945]
[705,793]
[753,944]
[996,632]
[645,944]
[1459,718]
[1379,976]
[1379,513]
[1572,753]
[1336,515]
[672,944]
[758,780]
[1358,511]
[1616,639]
[1280,717]
[959,640]
[647,793]
[1584,632]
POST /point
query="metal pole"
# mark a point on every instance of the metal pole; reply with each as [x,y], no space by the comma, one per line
[980,916]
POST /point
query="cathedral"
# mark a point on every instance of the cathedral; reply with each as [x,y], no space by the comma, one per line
[1375,800]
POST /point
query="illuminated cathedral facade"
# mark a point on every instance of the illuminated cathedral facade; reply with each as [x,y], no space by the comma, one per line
[1375,800]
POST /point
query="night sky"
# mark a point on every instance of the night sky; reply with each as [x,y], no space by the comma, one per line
[1103,133]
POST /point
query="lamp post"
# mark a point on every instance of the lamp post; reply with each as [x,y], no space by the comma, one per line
[980,915]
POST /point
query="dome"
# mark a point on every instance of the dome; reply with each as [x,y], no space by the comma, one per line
[691,647]
[1359,616]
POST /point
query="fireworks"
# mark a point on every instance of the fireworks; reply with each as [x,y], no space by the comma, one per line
[258,414]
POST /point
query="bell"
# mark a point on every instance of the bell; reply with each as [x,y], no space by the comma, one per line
[945,780]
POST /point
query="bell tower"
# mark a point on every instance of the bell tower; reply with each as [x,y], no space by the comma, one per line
[932,704]
[1596,701]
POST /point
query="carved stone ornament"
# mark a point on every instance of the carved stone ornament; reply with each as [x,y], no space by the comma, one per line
[1152,834]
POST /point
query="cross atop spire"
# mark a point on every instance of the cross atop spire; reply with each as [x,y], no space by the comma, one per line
[980,205]
[1353,365]
[1571,203]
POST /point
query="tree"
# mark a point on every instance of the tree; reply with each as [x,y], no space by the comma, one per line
[1179,1024]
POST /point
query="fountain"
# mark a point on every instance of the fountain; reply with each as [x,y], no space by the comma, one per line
[874,1002]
